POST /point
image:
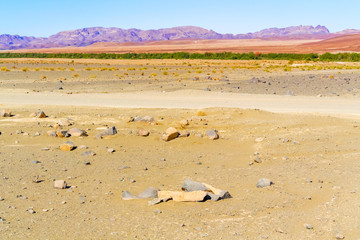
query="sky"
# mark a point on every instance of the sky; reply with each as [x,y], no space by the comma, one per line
[42,18]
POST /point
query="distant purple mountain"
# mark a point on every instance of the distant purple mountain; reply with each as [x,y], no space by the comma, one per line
[88,36]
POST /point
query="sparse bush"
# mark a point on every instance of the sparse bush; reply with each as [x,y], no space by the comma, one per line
[5,69]
[25,69]
[201,113]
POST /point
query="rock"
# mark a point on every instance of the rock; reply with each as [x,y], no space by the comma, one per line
[147,119]
[107,132]
[190,185]
[88,153]
[83,147]
[128,196]
[263,182]
[212,134]
[60,184]
[77,132]
[184,133]
[150,192]
[259,139]
[257,160]
[62,134]
[37,134]
[143,133]
[111,150]
[19,131]
[223,194]
[170,134]
[67,146]
[5,113]
[64,122]
[339,236]
[290,93]
[195,196]
[51,133]
[308,226]
[184,122]
[41,114]
[32,211]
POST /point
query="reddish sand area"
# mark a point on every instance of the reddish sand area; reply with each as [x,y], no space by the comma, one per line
[348,43]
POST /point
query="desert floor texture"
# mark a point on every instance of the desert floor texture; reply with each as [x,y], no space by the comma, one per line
[295,123]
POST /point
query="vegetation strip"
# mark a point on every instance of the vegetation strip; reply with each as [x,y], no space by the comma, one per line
[326,57]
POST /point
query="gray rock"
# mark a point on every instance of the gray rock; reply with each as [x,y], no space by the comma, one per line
[257,160]
[150,192]
[108,132]
[128,196]
[212,134]
[147,119]
[190,185]
[264,182]
[88,153]
[77,132]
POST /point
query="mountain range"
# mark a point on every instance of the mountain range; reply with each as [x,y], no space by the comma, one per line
[87,36]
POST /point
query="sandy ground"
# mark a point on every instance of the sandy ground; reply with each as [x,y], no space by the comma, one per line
[308,146]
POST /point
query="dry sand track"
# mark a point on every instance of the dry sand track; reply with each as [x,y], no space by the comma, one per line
[191,100]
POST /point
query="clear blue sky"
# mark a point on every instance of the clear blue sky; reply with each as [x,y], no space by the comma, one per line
[47,17]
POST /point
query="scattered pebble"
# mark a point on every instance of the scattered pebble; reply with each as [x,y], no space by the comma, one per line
[308,226]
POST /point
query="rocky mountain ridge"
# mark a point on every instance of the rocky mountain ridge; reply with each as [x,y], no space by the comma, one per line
[88,36]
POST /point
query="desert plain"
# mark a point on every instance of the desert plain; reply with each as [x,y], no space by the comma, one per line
[295,123]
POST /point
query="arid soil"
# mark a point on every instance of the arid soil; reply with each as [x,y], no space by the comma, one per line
[312,159]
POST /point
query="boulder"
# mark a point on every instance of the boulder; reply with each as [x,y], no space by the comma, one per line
[107,132]
[60,184]
[62,134]
[77,132]
[214,193]
[170,134]
[51,133]
[177,196]
[190,185]
[146,119]
[263,182]
[212,134]
[5,113]
[64,122]
[143,133]
[41,114]
[67,146]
